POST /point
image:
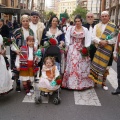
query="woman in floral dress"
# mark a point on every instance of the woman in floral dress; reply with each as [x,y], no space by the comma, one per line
[77,67]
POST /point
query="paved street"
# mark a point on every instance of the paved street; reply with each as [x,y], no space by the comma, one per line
[93,104]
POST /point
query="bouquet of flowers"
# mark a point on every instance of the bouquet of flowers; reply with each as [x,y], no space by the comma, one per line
[51,41]
[84,52]
[57,81]
[7,41]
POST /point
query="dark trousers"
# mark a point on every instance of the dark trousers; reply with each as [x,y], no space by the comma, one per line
[118,71]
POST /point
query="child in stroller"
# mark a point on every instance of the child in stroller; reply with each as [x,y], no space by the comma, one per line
[50,79]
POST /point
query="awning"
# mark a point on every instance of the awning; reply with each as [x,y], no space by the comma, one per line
[7,10]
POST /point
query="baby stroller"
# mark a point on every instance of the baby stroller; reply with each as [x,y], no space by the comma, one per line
[52,51]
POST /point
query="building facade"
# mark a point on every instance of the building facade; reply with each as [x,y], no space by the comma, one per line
[15,8]
[8,4]
[82,3]
[115,13]
[94,7]
[69,5]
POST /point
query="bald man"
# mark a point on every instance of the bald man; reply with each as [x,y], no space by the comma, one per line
[90,25]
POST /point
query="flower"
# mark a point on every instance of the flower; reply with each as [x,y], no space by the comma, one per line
[53,41]
[7,41]
[84,52]
[57,81]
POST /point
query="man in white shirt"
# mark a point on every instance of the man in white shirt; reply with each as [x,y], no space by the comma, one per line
[90,25]
[36,26]
[104,37]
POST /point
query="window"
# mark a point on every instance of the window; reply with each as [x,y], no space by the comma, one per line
[12,3]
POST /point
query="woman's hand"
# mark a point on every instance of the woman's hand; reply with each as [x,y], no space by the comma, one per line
[61,43]
[35,48]
[18,36]
[3,52]
[18,69]
[17,52]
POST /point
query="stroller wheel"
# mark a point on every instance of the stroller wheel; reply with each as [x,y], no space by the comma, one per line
[38,100]
[56,100]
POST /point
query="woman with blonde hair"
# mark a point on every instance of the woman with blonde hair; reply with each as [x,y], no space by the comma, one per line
[20,36]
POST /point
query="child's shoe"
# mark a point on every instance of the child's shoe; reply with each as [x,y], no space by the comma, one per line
[32,90]
[104,87]
[50,93]
[45,94]
[29,94]
[42,93]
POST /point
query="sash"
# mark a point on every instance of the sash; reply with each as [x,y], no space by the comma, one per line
[24,62]
[102,55]
[24,58]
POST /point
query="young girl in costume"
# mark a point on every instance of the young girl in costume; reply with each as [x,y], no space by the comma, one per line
[25,64]
[49,73]
[6,84]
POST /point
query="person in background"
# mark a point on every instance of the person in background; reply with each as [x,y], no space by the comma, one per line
[77,66]
[104,41]
[64,26]
[71,24]
[116,55]
[90,25]
[4,29]
[15,23]
[10,26]
[67,23]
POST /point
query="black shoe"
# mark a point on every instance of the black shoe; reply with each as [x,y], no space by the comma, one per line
[18,89]
[42,93]
[115,93]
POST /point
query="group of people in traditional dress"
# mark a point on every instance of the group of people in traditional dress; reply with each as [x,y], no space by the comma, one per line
[84,63]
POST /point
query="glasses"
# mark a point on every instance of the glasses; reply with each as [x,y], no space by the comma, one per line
[89,16]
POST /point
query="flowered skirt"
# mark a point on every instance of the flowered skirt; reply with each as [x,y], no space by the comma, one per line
[77,71]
